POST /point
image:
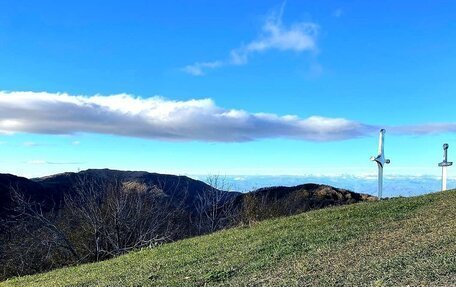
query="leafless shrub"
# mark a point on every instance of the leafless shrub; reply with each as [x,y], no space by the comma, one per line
[34,234]
[117,217]
[215,205]
[96,219]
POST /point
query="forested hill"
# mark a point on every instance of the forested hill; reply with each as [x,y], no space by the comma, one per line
[93,215]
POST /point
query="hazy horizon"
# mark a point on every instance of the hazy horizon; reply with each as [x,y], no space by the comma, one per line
[394,185]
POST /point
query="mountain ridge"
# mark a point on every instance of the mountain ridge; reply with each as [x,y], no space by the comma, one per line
[131,209]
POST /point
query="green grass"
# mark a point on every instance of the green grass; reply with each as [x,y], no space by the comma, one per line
[397,242]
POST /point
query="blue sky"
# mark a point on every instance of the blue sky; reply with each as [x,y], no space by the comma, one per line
[188,106]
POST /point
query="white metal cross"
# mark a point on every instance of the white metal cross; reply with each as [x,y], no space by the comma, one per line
[380,160]
[444,164]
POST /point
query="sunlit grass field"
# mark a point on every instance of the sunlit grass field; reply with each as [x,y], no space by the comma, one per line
[395,242]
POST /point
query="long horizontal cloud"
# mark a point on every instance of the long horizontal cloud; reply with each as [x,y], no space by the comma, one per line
[162,119]
[431,128]
[159,118]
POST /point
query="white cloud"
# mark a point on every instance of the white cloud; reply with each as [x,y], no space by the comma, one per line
[26,144]
[197,69]
[162,119]
[75,142]
[298,37]
[159,118]
[36,161]
[39,161]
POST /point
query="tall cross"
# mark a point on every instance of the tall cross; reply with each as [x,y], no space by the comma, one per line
[444,164]
[380,160]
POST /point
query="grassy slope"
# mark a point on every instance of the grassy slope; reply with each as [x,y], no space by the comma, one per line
[398,242]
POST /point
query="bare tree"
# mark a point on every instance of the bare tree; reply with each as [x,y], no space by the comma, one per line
[256,206]
[27,210]
[121,216]
[84,204]
[34,239]
[96,218]
[214,205]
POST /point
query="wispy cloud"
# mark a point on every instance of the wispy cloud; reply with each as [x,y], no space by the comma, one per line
[338,13]
[197,69]
[36,161]
[162,119]
[430,128]
[30,144]
[39,161]
[297,37]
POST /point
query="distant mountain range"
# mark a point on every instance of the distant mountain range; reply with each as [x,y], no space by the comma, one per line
[51,189]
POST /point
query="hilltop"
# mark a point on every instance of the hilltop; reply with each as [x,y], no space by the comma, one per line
[396,242]
[54,187]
